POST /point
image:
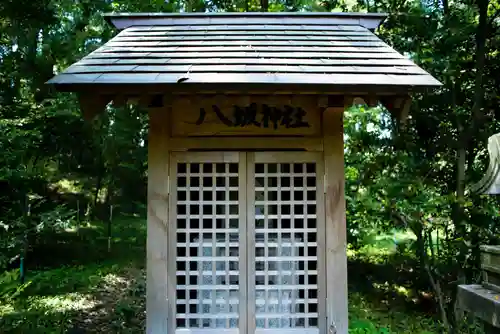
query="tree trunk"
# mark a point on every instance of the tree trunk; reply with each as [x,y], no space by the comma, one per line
[446,7]
[98,185]
[436,286]
[264,5]
[477,107]
[27,228]
[466,134]
[189,6]
[101,167]
[480,60]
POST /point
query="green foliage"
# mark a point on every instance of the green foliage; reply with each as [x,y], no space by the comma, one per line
[366,327]
[414,178]
[9,285]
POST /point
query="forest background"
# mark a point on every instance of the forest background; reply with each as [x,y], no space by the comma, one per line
[72,192]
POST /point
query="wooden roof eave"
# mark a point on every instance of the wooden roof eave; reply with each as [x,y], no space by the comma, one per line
[94,98]
[199,52]
[243,88]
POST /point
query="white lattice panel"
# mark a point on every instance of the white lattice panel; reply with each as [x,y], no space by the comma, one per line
[207,247]
[286,242]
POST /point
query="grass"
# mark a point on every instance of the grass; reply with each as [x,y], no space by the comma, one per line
[369,316]
[81,288]
[382,298]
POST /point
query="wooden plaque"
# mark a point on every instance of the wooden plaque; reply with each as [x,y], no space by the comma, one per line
[247,116]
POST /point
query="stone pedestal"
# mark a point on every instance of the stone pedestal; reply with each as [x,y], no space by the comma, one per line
[480,302]
[483,301]
[490,264]
[489,329]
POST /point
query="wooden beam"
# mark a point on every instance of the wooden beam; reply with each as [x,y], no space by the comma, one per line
[246,143]
[399,107]
[157,101]
[157,222]
[323,101]
[370,100]
[358,100]
[93,104]
[336,258]
[143,100]
[404,111]
[120,101]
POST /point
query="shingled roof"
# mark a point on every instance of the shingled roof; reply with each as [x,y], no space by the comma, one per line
[329,49]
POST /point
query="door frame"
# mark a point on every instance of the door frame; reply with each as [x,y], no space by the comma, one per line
[246,180]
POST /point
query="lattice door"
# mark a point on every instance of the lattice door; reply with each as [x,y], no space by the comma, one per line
[286,266]
[245,243]
[209,253]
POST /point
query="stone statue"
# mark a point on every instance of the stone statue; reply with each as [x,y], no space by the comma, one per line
[490,183]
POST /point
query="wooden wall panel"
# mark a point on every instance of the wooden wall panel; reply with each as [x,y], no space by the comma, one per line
[336,259]
[157,222]
[252,115]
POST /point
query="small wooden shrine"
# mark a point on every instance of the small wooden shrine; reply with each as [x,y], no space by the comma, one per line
[246,210]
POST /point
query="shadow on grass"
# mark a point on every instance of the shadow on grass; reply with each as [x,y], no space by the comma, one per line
[74,285]
[391,283]
[113,301]
[89,245]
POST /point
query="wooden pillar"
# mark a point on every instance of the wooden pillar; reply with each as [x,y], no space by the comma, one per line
[157,226]
[336,258]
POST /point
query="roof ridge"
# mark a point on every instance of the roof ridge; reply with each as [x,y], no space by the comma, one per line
[125,20]
[229,14]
